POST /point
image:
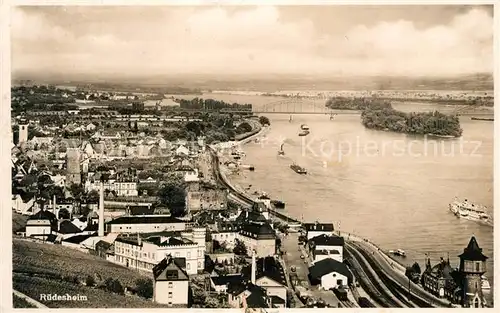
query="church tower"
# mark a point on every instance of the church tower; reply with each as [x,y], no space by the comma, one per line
[23,132]
[472,267]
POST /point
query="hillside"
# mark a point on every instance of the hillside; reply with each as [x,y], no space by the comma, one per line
[43,268]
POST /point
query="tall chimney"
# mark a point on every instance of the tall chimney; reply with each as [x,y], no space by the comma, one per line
[101,211]
[54,205]
[254,267]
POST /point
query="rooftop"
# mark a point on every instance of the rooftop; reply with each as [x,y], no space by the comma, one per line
[472,252]
[145,220]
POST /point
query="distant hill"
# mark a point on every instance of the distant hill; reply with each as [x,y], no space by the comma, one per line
[478,81]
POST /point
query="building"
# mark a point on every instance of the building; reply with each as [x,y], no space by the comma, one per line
[73,175]
[171,283]
[22,207]
[326,246]
[23,132]
[438,279]
[204,196]
[463,285]
[472,267]
[144,224]
[258,237]
[330,274]
[268,274]
[317,229]
[38,228]
[144,251]
[122,186]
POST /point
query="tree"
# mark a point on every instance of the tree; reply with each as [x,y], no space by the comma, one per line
[174,197]
[90,281]
[93,197]
[144,287]
[240,248]
[264,121]
[117,287]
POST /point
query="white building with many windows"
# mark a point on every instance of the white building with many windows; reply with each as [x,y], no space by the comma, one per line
[144,251]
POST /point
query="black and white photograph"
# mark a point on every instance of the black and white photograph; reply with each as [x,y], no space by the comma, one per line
[249,155]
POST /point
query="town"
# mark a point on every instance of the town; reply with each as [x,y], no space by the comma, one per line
[124,198]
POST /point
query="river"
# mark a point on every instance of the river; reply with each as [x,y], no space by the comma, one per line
[391,188]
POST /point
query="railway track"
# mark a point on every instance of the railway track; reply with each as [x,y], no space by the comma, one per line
[348,304]
[368,281]
[400,292]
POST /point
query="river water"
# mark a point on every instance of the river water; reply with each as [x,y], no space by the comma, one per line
[393,189]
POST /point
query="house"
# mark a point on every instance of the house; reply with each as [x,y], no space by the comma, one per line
[317,229]
[463,285]
[221,283]
[140,210]
[242,293]
[144,224]
[38,228]
[143,251]
[23,207]
[326,246]
[270,276]
[227,234]
[330,274]
[90,127]
[103,249]
[258,237]
[171,283]
[39,141]
[182,151]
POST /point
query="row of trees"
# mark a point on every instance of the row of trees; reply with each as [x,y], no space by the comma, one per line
[211,105]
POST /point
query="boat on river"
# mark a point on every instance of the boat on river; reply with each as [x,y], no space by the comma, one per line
[277,204]
[398,252]
[304,133]
[470,211]
[304,127]
[298,169]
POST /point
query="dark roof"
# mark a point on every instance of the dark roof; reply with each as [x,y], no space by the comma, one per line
[250,216]
[91,227]
[319,227]
[78,239]
[325,240]
[326,252]
[236,287]
[169,264]
[327,266]
[266,267]
[66,227]
[442,270]
[102,245]
[264,231]
[277,300]
[43,215]
[168,241]
[141,210]
[473,252]
[257,298]
[144,220]
[226,279]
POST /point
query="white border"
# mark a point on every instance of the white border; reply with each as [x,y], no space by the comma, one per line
[5,185]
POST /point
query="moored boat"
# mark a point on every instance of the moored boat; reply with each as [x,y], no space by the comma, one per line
[304,133]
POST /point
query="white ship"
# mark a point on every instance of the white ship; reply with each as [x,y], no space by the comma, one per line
[470,211]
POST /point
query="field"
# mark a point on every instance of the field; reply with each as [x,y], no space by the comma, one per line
[43,268]
[32,257]
[95,298]
[20,303]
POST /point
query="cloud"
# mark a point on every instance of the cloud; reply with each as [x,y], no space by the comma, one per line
[249,41]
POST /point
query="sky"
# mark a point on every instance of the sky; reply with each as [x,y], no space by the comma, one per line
[221,41]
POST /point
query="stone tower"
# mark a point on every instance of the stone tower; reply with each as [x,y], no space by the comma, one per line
[73,175]
[23,131]
[472,267]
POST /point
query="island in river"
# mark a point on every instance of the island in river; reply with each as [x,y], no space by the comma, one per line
[380,115]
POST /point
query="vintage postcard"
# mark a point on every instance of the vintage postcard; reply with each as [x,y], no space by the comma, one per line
[257,156]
